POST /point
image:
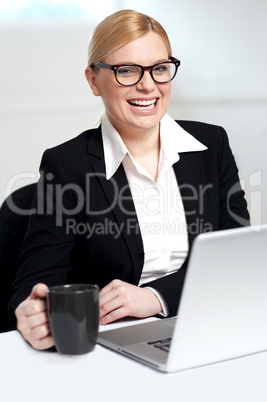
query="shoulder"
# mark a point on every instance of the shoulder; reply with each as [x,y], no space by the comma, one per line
[75,154]
[78,148]
[78,143]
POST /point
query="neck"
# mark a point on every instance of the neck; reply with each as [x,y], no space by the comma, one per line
[145,150]
[142,144]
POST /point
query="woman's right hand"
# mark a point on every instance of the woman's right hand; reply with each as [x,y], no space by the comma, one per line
[32,319]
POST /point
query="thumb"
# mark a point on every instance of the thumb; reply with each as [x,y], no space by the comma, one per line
[38,291]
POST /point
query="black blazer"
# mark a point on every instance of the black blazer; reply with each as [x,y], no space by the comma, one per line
[73,231]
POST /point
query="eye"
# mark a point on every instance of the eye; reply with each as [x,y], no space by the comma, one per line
[125,71]
[161,68]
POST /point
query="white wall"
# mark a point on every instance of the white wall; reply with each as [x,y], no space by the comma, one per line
[45,99]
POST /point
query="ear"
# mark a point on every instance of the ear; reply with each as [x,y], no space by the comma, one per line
[92,78]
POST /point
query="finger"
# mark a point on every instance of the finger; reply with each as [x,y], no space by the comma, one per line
[43,344]
[111,286]
[39,332]
[114,316]
[37,335]
[36,320]
[32,324]
[105,291]
[110,305]
[38,291]
[107,297]
[30,307]
[112,290]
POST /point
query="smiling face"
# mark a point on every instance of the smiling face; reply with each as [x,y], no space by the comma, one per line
[138,108]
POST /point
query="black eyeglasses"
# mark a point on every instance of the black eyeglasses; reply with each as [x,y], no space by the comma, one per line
[131,74]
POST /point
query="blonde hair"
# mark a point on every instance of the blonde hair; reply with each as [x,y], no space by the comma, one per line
[120,28]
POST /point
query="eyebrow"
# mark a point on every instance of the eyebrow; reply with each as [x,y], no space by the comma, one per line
[130,62]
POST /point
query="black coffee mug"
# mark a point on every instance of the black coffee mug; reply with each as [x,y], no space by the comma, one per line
[73,312]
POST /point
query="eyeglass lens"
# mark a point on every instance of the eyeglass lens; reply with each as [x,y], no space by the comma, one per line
[130,75]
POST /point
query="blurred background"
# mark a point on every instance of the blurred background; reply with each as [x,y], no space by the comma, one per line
[45,99]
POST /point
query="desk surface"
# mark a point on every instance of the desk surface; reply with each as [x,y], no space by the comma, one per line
[103,375]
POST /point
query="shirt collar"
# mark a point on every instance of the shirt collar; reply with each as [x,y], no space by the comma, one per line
[114,148]
[174,140]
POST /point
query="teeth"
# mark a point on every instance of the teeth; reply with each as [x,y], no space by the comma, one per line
[143,104]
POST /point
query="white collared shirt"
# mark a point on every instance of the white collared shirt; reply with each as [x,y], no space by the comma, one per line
[158,205]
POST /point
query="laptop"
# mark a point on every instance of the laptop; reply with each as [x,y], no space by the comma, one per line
[222,312]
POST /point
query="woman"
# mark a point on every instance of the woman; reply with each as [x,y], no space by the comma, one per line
[121,204]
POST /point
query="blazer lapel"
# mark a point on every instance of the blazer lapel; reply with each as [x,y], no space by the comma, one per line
[119,196]
[191,182]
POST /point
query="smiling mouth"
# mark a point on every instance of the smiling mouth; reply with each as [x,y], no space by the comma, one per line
[143,104]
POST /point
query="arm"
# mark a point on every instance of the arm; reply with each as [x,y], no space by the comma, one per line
[233,211]
[45,253]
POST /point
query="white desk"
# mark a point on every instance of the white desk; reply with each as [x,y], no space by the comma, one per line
[105,376]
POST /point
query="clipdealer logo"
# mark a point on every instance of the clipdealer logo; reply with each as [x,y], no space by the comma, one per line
[131,226]
[51,199]
[253,191]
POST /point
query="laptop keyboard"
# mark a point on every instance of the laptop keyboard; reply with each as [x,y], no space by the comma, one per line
[162,344]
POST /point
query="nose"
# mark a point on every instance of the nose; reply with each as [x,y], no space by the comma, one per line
[146,83]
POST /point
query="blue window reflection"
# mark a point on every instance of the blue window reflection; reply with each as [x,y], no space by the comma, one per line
[35,9]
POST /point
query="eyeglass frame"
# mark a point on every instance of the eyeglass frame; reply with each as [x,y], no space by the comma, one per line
[115,67]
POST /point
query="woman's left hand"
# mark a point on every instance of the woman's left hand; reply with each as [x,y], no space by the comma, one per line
[120,299]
